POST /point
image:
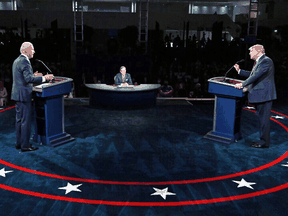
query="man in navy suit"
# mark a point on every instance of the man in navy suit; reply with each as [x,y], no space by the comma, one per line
[262,91]
[123,78]
[23,78]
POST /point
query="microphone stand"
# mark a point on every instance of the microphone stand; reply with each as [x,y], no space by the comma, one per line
[227,73]
[44,65]
[47,69]
[231,69]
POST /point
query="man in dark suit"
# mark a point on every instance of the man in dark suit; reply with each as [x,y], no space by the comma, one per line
[23,78]
[262,91]
[123,78]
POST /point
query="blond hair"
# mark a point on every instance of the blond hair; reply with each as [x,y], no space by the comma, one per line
[258,47]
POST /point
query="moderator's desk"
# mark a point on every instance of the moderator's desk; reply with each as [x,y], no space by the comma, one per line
[115,96]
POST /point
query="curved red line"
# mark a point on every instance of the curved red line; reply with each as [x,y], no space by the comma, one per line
[279,113]
[286,128]
[8,108]
[285,155]
[127,203]
[154,183]
[280,124]
[250,110]
[121,203]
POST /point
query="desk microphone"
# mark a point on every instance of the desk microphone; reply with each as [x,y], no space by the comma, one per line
[44,65]
[242,60]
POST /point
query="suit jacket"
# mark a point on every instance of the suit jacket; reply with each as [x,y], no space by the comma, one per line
[260,82]
[118,79]
[22,80]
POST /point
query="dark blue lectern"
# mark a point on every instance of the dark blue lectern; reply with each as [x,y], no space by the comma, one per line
[49,111]
[227,110]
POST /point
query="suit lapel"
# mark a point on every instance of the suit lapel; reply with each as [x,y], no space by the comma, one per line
[259,61]
[257,64]
[249,87]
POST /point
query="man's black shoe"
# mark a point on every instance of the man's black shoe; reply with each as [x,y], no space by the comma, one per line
[254,143]
[19,146]
[29,149]
[257,145]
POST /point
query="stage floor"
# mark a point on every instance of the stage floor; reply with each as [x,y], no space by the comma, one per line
[121,158]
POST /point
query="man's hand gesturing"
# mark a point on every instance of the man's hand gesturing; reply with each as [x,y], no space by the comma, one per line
[36,74]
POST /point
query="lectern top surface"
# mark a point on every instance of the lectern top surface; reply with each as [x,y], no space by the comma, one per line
[58,81]
[226,81]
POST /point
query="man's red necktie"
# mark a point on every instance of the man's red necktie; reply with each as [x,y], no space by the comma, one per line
[254,65]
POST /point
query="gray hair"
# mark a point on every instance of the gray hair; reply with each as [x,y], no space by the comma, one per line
[24,46]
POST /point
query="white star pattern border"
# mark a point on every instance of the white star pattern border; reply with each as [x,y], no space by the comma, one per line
[163,193]
[3,172]
[244,183]
[69,187]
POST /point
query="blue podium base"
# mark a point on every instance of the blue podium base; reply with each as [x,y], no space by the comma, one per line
[53,140]
[223,138]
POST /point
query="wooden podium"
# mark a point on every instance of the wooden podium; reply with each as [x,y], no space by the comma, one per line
[49,112]
[227,110]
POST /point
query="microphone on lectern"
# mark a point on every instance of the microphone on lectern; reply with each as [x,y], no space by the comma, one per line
[53,79]
[242,60]
[44,65]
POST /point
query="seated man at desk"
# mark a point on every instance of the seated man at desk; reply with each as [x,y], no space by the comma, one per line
[123,78]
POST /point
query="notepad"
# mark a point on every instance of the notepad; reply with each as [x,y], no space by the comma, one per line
[42,85]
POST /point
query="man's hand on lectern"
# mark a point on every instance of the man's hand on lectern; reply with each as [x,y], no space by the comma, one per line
[36,74]
[49,76]
[238,85]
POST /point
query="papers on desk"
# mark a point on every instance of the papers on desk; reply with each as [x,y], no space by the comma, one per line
[42,85]
[121,86]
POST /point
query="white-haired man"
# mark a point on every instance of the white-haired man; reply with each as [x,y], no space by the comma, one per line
[262,91]
[23,79]
[123,78]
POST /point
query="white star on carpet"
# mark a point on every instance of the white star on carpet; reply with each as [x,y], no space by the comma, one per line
[244,183]
[163,193]
[248,107]
[3,172]
[286,165]
[70,188]
[278,117]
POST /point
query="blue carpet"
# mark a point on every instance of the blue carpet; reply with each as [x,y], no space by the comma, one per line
[121,157]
